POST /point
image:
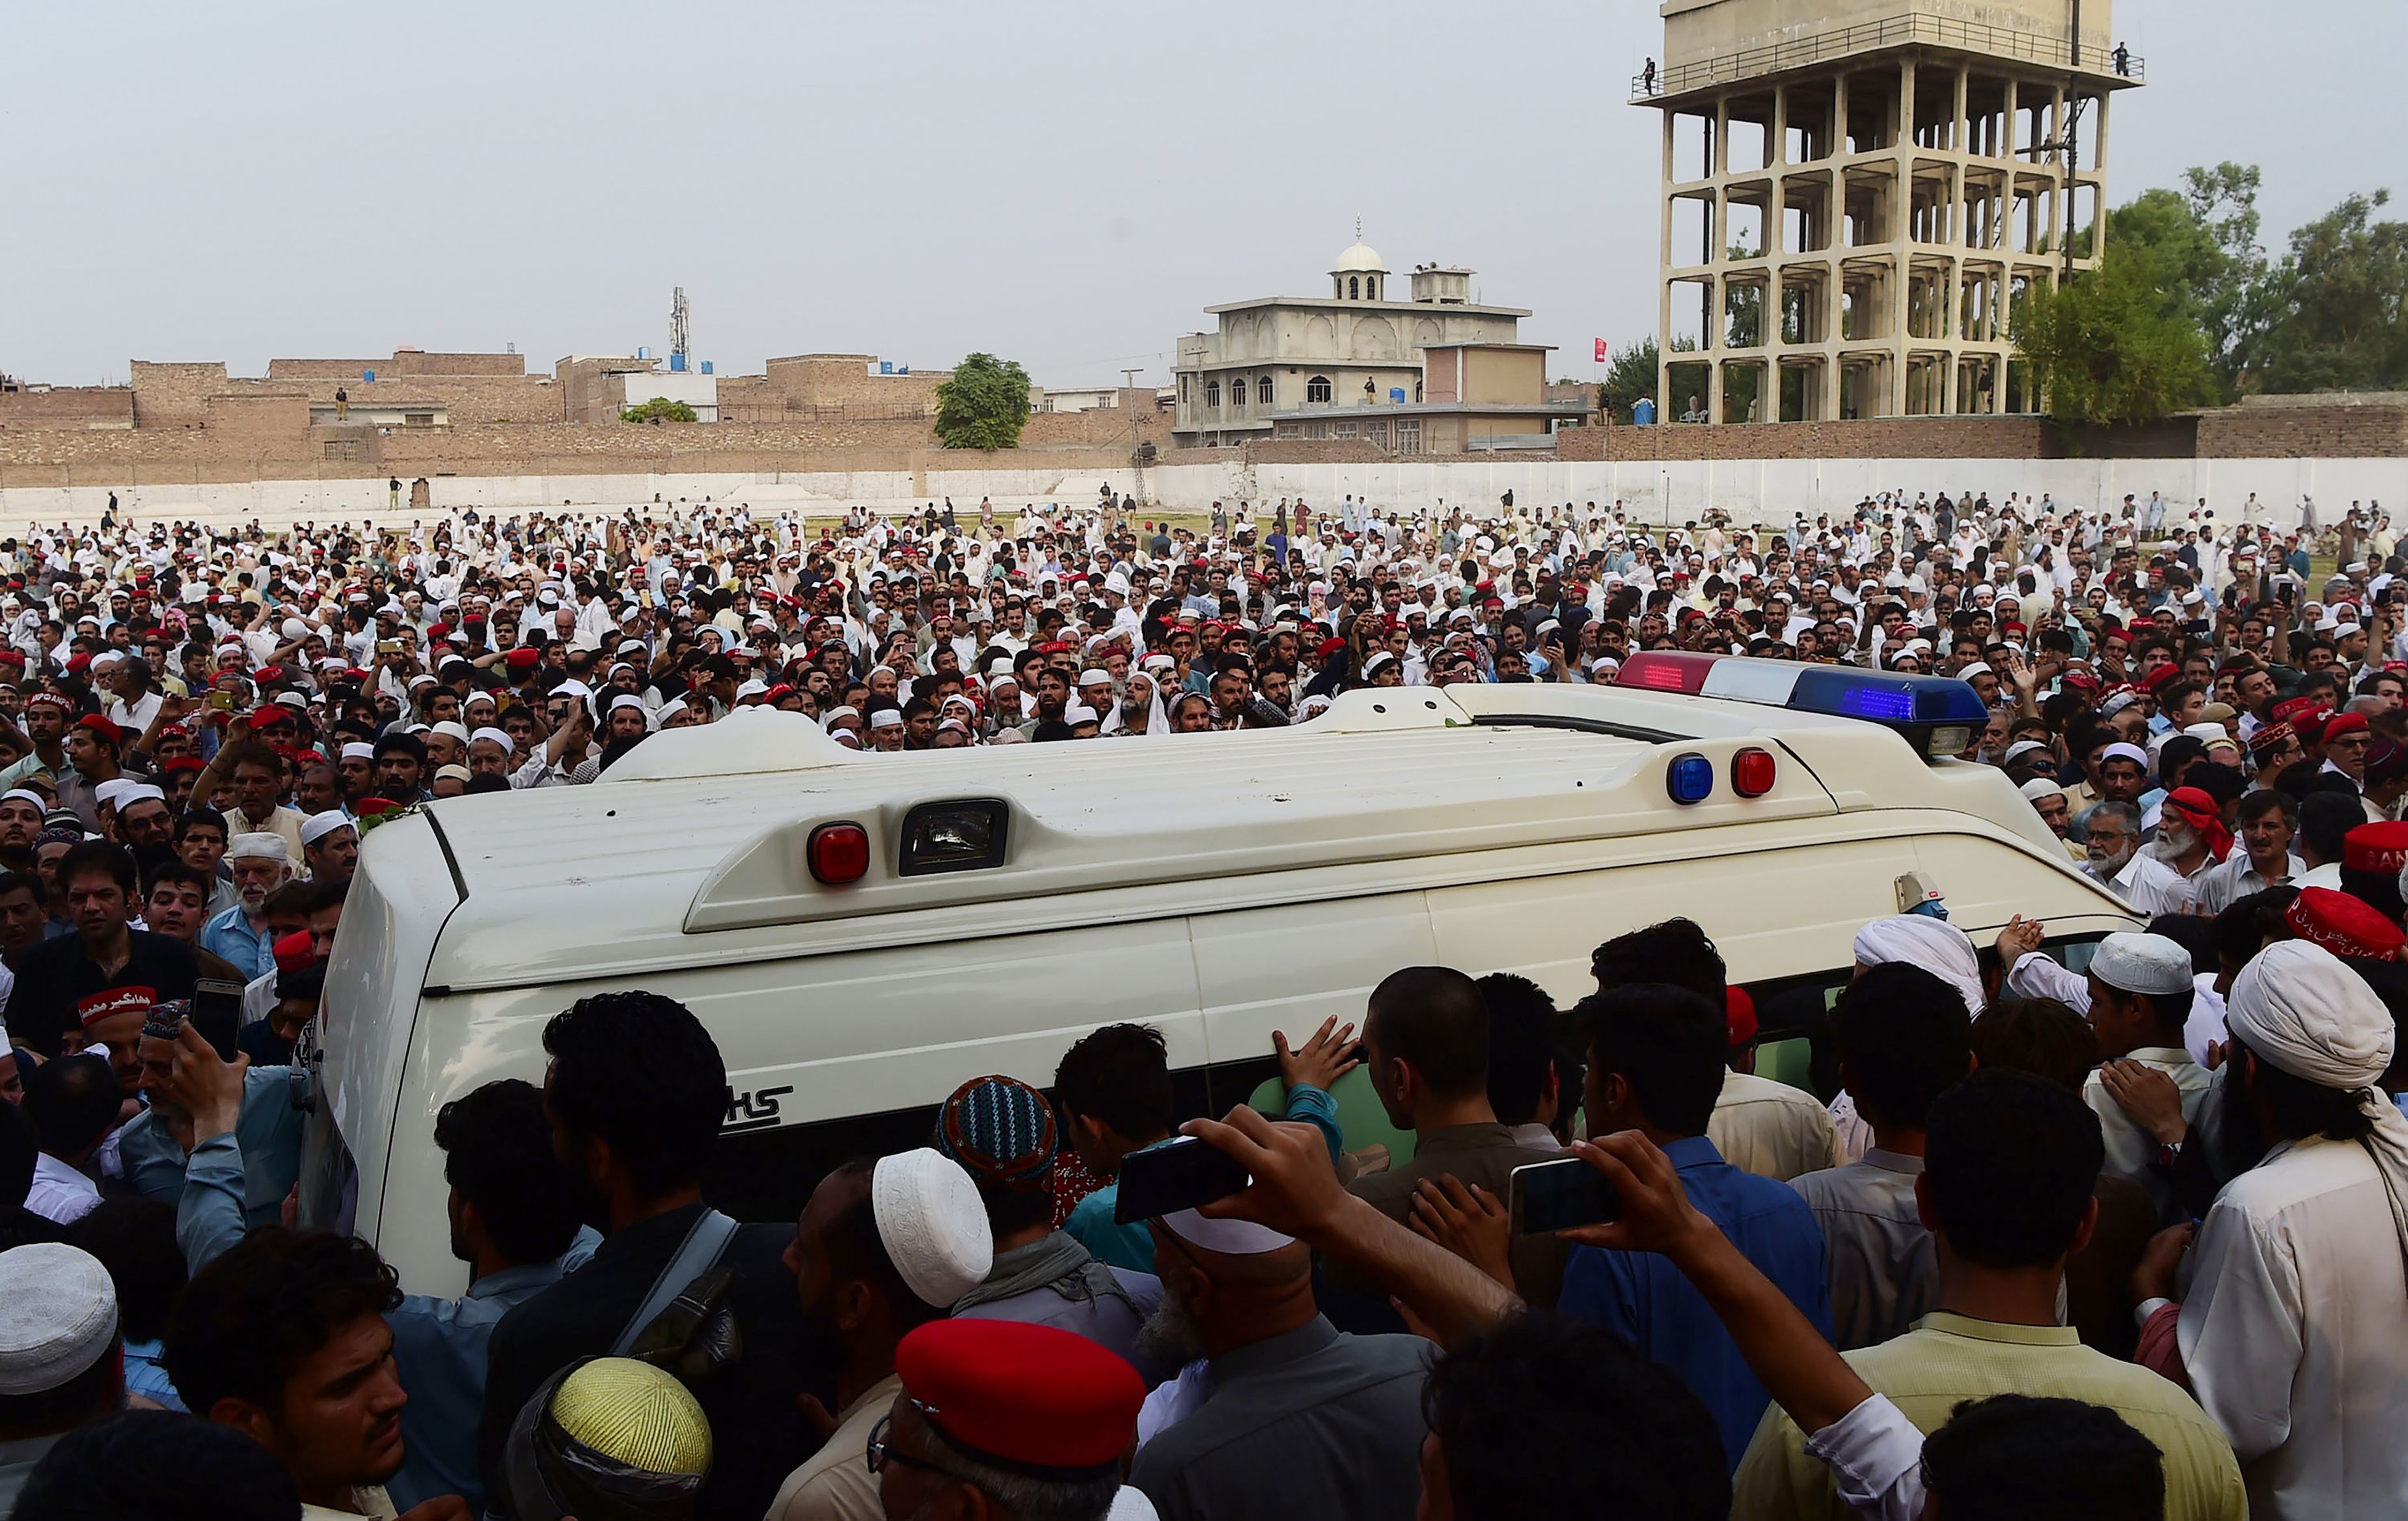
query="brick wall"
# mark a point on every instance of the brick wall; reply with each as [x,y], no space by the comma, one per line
[68,407]
[170,396]
[2374,430]
[264,420]
[1895,438]
[813,382]
[416,362]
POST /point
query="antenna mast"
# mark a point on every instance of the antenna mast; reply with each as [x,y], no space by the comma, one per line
[677,327]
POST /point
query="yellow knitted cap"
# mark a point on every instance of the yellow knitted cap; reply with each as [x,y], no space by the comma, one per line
[634,1413]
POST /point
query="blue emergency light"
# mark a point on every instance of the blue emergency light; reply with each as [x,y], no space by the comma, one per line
[1938,715]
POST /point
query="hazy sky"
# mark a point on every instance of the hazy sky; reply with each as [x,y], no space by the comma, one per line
[1068,185]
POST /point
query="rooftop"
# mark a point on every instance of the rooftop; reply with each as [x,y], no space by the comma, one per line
[2117,66]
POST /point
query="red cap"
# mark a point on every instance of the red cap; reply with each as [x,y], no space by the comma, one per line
[2375,847]
[296,951]
[2159,677]
[2291,709]
[181,763]
[101,726]
[1739,1016]
[76,665]
[266,674]
[94,1008]
[1028,1397]
[1329,647]
[2345,925]
[2342,723]
[267,713]
[521,658]
[12,657]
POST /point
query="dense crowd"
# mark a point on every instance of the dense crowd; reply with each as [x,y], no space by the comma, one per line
[2114,1230]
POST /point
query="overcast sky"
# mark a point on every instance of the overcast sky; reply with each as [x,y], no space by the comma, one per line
[1067,185]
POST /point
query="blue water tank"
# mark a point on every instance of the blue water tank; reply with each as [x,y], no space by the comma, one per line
[368,377]
[677,364]
[886,366]
[1396,393]
[643,354]
[706,366]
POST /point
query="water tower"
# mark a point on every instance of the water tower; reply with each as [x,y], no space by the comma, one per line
[1858,193]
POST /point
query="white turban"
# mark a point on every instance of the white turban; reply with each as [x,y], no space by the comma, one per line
[2301,1009]
[1936,945]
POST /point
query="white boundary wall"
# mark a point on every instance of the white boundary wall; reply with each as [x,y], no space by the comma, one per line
[1651,491]
[1676,490]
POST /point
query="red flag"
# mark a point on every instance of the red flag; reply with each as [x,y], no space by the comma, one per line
[1601,350]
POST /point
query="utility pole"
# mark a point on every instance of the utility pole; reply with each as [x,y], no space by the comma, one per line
[1128,383]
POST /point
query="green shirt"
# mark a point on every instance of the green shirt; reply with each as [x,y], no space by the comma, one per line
[1947,1359]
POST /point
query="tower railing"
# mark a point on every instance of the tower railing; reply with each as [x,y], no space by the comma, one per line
[1894,32]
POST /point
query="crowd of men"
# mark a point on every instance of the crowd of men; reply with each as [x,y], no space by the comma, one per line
[2114,1230]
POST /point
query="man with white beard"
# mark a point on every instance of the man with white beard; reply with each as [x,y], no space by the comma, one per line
[2191,838]
[2118,863]
[241,935]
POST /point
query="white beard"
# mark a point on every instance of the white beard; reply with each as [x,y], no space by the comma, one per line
[2105,867]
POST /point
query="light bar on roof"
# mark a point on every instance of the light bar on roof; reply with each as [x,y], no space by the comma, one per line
[1938,715]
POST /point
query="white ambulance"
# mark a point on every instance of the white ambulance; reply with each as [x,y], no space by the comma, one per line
[862,932]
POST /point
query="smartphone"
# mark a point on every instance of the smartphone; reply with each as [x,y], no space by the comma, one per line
[1548,1196]
[388,647]
[220,701]
[217,1014]
[1178,1175]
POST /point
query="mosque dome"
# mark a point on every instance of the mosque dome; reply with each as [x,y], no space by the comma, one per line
[1360,259]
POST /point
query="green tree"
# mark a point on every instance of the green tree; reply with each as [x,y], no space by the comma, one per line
[984,404]
[1630,375]
[2117,345]
[660,410]
[2198,245]
[2335,313]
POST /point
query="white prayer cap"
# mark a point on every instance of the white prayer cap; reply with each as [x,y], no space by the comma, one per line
[932,1224]
[2300,1008]
[1079,712]
[999,666]
[355,750]
[139,791]
[259,845]
[23,794]
[2150,964]
[625,699]
[827,720]
[112,790]
[1231,1238]
[317,826]
[453,728]
[1377,663]
[571,688]
[886,718]
[846,738]
[2039,787]
[2124,752]
[2023,747]
[500,737]
[1936,945]
[1095,675]
[108,658]
[2207,733]
[58,1315]
[1976,668]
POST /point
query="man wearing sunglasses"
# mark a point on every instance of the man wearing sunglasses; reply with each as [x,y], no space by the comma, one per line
[1003,1417]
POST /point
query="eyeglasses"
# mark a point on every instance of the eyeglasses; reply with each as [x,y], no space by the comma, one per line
[882,1452]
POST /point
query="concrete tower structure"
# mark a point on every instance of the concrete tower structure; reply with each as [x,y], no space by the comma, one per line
[1857,193]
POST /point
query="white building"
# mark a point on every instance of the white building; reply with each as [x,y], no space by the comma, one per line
[1352,348]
